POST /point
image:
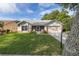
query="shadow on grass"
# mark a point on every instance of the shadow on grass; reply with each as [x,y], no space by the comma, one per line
[29,44]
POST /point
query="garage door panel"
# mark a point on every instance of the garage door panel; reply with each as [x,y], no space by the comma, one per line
[53,29]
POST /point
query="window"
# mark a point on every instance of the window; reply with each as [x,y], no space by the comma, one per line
[42,27]
[24,28]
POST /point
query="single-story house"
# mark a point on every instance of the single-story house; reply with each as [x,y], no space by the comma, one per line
[50,26]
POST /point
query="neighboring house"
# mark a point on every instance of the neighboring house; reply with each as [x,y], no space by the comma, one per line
[0,28]
[10,25]
[50,26]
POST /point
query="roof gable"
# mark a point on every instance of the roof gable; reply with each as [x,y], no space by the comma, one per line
[22,22]
[54,21]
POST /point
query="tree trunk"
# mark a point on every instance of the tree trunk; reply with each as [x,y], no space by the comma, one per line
[71,47]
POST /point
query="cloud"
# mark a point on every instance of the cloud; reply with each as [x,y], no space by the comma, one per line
[36,18]
[45,4]
[42,6]
[6,18]
[71,12]
[8,8]
[42,13]
[45,12]
[29,19]
[25,10]
[12,19]
[29,11]
[21,19]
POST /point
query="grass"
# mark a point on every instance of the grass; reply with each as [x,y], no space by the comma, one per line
[28,44]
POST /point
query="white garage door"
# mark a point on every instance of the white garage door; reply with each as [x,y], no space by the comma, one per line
[53,29]
[55,32]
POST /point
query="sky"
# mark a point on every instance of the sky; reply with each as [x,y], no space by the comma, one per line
[27,11]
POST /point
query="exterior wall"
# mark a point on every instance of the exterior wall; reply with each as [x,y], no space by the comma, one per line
[11,25]
[0,28]
[30,28]
[55,29]
[20,28]
[45,28]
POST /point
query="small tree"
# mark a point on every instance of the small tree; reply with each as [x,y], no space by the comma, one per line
[61,16]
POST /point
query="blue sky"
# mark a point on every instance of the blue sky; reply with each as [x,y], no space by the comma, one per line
[26,11]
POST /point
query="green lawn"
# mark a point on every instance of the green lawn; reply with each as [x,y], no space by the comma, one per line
[28,44]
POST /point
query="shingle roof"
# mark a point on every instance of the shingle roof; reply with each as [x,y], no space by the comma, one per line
[37,22]
[40,22]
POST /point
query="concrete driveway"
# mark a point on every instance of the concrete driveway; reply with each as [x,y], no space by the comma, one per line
[58,36]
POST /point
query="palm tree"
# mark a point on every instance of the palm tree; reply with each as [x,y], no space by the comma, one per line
[71,47]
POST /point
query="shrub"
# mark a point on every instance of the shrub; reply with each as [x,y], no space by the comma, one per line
[45,32]
[7,31]
[2,32]
[33,32]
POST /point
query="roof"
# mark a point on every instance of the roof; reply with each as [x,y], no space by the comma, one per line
[22,22]
[8,22]
[35,22]
[53,21]
[38,22]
